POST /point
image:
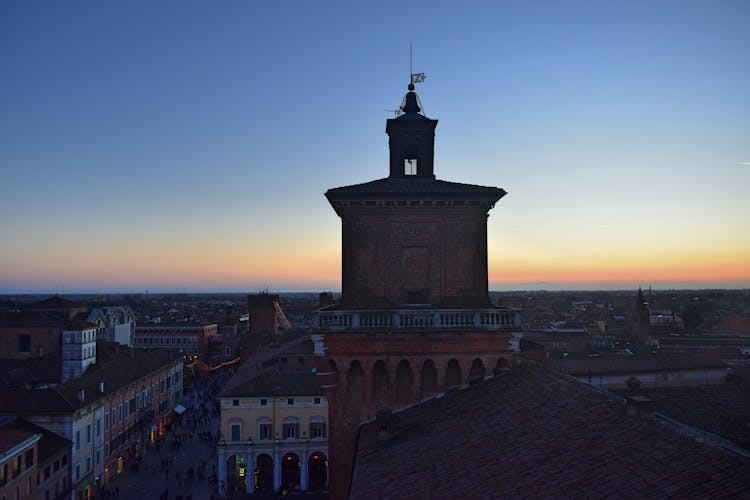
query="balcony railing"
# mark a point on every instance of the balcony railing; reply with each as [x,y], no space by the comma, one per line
[432,319]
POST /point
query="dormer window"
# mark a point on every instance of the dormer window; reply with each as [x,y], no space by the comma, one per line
[410,166]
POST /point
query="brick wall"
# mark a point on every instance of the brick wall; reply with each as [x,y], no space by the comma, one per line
[363,372]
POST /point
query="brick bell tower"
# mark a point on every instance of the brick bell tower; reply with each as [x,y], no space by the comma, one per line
[415,318]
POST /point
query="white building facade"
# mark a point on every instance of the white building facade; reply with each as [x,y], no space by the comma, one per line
[114,324]
[78,350]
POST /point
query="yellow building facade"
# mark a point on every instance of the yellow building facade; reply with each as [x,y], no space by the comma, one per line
[274,434]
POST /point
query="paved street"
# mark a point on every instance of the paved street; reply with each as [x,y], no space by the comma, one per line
[183,465]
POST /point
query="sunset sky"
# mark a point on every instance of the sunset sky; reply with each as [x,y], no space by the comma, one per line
[186,146]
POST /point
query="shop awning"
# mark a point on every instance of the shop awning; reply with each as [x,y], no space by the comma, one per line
[179,409]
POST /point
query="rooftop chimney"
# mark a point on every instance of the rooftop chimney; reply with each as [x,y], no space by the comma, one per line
[82,395]
[101,386]
[639,406]
[383,421]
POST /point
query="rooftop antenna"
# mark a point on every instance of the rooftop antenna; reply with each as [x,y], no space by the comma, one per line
[413,77]
[411,72]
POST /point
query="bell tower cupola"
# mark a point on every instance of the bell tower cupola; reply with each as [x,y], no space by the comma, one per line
[411,138]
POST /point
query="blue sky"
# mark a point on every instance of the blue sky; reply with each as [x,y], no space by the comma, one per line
[187,145]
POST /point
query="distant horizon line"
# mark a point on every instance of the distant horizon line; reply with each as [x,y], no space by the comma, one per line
[510,287]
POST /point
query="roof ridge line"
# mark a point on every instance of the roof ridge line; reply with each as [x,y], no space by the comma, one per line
[679,425]
[700,433]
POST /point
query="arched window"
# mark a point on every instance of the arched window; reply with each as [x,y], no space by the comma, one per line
[318,427]
[379,382]
[502,365]
[477,371]
[452,373]
[404,382]
[428,379]
[265,429]
[291,428]
[354,377]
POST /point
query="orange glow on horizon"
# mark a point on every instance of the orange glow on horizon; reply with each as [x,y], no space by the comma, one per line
[243,266]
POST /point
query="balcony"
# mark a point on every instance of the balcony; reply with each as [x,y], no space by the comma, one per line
[418,319]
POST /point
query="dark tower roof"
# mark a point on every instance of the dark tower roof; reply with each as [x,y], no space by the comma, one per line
[412,139]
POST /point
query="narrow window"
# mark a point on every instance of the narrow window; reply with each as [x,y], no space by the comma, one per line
[290,428]
[317,427]
[236,432]
[264,429]
[410,166]
[24,343]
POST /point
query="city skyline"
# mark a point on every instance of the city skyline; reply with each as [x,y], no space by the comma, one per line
[187,147]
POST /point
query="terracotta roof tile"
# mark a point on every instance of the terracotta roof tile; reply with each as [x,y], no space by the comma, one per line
[116,366]
[39,319]
[11,436]
[28,372]
[273,383]
[531,433]
[620,363]
[723,409]
[54,302]
[49,444]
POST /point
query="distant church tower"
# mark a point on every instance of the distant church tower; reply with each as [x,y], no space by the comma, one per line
[641,323]
[415,317]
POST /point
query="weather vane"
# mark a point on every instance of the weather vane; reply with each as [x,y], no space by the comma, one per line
[413,78]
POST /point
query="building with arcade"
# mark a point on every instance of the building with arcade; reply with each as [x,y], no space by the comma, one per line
[274,432]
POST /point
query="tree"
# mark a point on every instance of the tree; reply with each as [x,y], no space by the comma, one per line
[692,317]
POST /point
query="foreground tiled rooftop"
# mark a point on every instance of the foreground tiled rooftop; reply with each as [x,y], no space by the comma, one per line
[662,361]
[723,409]
[533,433]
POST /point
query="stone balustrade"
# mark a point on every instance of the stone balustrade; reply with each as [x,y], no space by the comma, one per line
[408,319]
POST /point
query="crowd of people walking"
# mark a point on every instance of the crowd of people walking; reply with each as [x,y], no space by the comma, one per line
[181,464]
